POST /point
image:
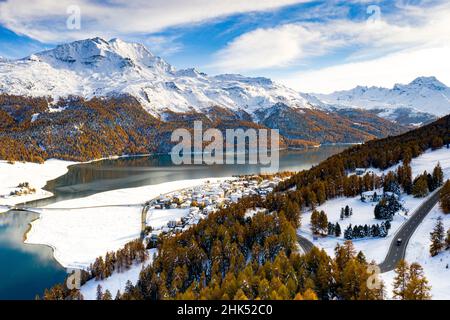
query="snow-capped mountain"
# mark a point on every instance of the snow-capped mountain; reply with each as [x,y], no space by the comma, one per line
[421,98]
[95,67]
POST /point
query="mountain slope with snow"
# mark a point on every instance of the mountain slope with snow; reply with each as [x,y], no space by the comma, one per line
[95,67]
[424,98]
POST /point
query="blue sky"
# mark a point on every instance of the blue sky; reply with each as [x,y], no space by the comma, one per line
[315,46]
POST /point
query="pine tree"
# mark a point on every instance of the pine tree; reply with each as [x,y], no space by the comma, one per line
[347,211]
[315,222]
[337,230]
[310,295]
[401,280]
[240,295]
[437,238]
[447,240]
[107,295]
[417,288]
[298,296]
[331,229]
[407,178]
[438,176]
[348,233]
[99,292]
[444,197]
[323,222]
[420,186]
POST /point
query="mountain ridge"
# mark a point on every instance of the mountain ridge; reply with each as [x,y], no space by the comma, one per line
[424,98]
[98,68]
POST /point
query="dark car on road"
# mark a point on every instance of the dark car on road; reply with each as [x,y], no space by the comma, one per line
[399,241]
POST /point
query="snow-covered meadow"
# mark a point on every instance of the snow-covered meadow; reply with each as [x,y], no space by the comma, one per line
[117,281]
[363,213]
[35,174]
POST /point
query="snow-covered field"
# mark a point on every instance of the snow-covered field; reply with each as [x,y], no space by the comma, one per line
[80,230]
[35,174]
[159,218]
[436,268]
[427,161]
[117,281]
[363,213]
[79,236]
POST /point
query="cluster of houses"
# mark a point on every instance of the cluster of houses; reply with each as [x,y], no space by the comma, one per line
[363,171]
[202,200]
[375,196]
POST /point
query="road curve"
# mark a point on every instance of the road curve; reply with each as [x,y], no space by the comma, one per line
[398,252]
[304,243]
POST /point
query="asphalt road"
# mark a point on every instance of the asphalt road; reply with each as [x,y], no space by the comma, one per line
[304,243]
[397,252]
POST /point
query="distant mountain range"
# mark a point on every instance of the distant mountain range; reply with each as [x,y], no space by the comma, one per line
[117,71]
[415,103]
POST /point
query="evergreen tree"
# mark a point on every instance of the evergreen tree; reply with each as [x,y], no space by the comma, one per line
[323,222]
[391,184]
[417,288]
[407,178]
[331,229]
[401,280]
[386,208]
[420,186]
[309,294]
[347,211]
[240,295]
[437,238]
[383,232]
[298,296]
[337,230]
[99,292]
[315,222]
[107,295]
[447,240]
[444,197]
[438,176]
[348,233]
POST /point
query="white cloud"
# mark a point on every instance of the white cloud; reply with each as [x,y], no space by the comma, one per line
[400,67]
[162,45]
[410,28]
[275,47]
[45,20]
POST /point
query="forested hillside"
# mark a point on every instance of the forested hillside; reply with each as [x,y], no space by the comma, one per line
[36,129]
[231,256]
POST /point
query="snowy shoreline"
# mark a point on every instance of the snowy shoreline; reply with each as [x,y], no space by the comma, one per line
[37,175]
[80,230]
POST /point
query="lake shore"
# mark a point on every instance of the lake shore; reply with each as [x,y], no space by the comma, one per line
[82,229]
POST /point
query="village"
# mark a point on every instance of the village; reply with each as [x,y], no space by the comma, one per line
[186,207]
